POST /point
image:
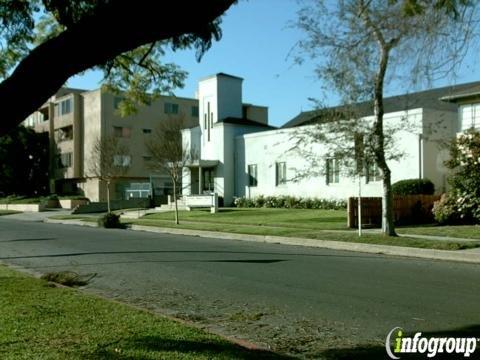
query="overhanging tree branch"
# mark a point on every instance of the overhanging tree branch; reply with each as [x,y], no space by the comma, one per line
[95,40]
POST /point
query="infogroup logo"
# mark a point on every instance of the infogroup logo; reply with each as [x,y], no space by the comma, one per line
[397,343]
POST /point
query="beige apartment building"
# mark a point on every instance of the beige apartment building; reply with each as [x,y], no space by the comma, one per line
[75,119]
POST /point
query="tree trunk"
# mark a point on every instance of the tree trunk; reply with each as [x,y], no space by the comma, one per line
[93,41]
[388,227]
[108,196]
[175,200]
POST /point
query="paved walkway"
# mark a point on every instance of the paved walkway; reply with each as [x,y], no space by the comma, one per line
[38,216]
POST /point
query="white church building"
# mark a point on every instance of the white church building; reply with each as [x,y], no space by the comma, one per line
[240,155]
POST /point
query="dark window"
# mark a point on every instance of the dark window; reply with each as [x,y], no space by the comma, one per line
[116,102]
[195,111]
[119,131]
[171,108]
[147,131]
[281,173]
[252,175]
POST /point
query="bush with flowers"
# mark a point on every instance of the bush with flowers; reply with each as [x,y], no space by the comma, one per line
[462,202]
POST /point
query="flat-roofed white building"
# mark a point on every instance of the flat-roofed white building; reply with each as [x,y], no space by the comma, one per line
[241,155]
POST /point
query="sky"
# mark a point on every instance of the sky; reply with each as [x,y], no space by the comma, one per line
[256,43]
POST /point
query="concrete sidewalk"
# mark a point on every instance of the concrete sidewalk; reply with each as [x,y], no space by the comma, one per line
[467,256]
[37,216]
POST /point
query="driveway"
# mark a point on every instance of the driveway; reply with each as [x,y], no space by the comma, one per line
[308,301]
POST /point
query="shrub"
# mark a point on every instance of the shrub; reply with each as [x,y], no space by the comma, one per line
[413,187]
[465,181]
[445,211]
[290,202]
[110,221]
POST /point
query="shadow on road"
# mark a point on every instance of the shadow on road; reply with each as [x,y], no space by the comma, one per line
[39,239]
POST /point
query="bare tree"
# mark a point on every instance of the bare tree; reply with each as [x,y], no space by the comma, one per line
[361,44]
[168,153]
[110,160]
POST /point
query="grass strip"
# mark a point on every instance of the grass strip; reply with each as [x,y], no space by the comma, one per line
[44,322]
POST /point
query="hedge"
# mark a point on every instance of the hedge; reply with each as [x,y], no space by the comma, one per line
[290,202]
[413,187]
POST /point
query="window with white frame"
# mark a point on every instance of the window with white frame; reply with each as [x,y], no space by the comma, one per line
[469,116]
[66,107]
[333,171]
[252,175]
[281,173]
[373,172]
[122,160]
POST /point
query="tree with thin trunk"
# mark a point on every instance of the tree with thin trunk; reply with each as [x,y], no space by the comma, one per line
[169,155]
[359,45]
[45,42]
[110,160]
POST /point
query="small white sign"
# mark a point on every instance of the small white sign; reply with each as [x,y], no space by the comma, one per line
[200,200]
[210,201]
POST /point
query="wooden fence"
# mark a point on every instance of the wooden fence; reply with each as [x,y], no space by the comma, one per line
[410,209]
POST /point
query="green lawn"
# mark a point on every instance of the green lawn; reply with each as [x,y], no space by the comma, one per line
[285,218]
[39,321]
[459,231]
[8,212]
[311,224]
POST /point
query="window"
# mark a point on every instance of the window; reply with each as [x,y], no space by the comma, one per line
[147,131]
[116,102]
[333,171]
[64,107]
[252,175]
[171,108]
[147,158]
[122,160]
[469,117]
[373,172]
[281,173]
[119,131]
[64,160]
[195,111]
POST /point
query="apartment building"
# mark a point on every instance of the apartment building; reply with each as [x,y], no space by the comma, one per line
[75,119]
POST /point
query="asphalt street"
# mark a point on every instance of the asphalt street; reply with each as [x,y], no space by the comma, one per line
[295,299]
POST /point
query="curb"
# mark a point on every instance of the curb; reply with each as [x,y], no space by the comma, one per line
[446,255]
[70,222]
[431,254]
